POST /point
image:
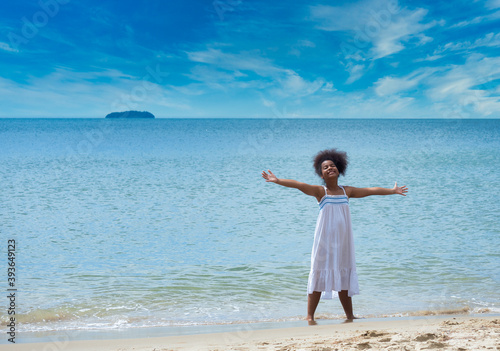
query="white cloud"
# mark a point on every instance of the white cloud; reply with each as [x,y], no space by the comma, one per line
[492,4]
[249,61]
[494,15]
[213,77]
[7,47]
[306,44]
[85,94]
[293,84]
[392,38]
[390,85]
[235,71]
[387,86]
[489,40]
[465,88]
[383,25]
[361,16]
[328,87]
[297,48]
[372,30]
[338,18]
[192,89]
[466,23]
[363,105]
[268,103]
[457,91]
[356,71]
[429,58]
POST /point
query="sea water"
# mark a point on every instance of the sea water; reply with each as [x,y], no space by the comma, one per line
[123,224]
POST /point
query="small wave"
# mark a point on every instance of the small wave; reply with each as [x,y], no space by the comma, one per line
[95,318]
[48,315]
[462,310]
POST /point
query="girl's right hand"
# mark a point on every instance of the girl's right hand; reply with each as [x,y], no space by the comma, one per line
[269,177]
[401,190]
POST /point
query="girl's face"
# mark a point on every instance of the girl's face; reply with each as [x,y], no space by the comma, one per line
[328,169]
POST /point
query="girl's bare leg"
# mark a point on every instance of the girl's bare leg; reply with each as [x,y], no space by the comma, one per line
[312,303]
[346,302]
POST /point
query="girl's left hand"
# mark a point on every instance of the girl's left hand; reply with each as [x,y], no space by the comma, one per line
[269,177]
[401,190]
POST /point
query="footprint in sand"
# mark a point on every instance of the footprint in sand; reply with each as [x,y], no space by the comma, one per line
[364,346]
[385,340]
[373,334]
[425,337]
[451,322]
[436,345]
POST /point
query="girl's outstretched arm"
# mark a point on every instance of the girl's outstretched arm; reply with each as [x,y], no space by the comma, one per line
[308,189]
[363,192]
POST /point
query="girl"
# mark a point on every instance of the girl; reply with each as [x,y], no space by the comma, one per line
[333,267]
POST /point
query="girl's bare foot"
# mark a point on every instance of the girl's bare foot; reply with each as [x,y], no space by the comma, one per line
[351,319]
[311,322]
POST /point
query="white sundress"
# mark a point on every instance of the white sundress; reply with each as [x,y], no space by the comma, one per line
[333,265]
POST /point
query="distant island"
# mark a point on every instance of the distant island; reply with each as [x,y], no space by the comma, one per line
[130,114]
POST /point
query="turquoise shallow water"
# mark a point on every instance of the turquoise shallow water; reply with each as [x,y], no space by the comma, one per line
[133,223]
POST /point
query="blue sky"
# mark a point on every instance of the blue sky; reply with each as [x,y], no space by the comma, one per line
[242,58]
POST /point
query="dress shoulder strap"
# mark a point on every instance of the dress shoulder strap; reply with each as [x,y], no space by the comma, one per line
[343,190]
[325,190]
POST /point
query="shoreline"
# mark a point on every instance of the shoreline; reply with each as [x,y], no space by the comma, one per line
[443,331]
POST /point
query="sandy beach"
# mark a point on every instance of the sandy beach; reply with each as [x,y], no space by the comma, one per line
[443,333]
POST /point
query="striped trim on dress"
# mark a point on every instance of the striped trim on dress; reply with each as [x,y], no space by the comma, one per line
[329,199]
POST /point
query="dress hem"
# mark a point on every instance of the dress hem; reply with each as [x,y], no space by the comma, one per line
[329,282]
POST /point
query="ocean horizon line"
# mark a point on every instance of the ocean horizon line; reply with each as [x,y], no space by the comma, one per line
[267,118]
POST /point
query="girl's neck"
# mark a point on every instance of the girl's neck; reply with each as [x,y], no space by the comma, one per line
[332,185]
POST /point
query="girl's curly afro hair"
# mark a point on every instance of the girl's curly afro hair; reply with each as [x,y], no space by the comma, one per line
[339,158]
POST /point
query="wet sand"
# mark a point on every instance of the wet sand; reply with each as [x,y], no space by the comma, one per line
[457,333]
